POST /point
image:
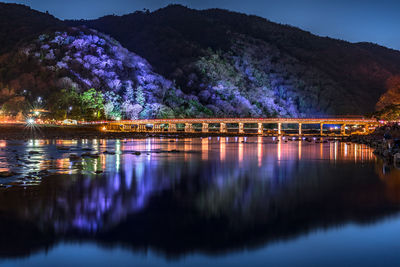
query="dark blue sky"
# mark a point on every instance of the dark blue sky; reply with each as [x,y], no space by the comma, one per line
[375,21]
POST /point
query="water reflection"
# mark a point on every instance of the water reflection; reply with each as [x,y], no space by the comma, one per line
[177,196]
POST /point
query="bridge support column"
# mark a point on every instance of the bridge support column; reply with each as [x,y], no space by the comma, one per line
[321,129]
[204,128]
[300,133]
[141,127]
[126,127]
[260,128]
[188,127]
[156,127]
[241,128]
[172,127]
[366,129]
[343,129]
[222,127]
[279,128]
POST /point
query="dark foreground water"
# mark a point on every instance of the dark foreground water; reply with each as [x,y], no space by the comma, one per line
[197,202]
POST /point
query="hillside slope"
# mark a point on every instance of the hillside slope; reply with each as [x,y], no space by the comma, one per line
[78,59]
[310,74]
[180,62]
[20,23]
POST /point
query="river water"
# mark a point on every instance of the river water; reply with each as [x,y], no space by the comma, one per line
[233,201]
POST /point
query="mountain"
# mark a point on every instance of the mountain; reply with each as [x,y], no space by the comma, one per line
[194,63]
[19,23]
[78,58]
[221,51]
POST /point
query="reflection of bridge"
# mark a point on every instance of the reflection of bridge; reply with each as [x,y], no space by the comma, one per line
[266,126]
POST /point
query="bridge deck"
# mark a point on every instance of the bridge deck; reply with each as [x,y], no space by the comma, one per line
[252,120]
[363,126]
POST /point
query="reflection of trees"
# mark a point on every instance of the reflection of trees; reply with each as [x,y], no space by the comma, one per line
[87,204]
[391,179]
[186,206]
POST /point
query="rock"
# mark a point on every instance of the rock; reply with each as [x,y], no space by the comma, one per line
[6,174]
[88,155]
[43,172]
[386,153]
[396,157]
[137,153]
[74,157]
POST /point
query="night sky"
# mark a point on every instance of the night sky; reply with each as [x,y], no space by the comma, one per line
[375,21]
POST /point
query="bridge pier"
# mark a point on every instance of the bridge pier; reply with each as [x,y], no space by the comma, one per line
[222,127]
[126,127]
[157,128]
[241,127]
[188,127]
[141,127]
[260,129]
[343,129]
[172,127]
[204,128]
[159,125]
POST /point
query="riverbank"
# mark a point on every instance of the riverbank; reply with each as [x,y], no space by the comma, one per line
[385,140]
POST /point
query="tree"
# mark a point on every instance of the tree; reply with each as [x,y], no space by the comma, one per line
[65,103]
[112,106]
[92,103]
[140,99]
[389,113]
[392,95]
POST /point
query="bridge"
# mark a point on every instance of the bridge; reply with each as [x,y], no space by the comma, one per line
[259,126]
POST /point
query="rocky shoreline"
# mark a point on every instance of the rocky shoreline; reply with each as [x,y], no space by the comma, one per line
[385,140]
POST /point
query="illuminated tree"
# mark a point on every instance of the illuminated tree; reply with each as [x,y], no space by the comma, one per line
[112,106]
[140,99]
[392,95]
[93,102]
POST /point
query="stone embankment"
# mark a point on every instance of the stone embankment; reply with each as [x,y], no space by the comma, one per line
[385,140]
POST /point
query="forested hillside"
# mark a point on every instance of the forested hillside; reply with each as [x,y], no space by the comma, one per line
[180,62]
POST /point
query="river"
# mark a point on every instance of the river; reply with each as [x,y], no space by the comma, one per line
[229,201]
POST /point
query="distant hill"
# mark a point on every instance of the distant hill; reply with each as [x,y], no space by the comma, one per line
[19,23]
[206,63]
[309,74]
